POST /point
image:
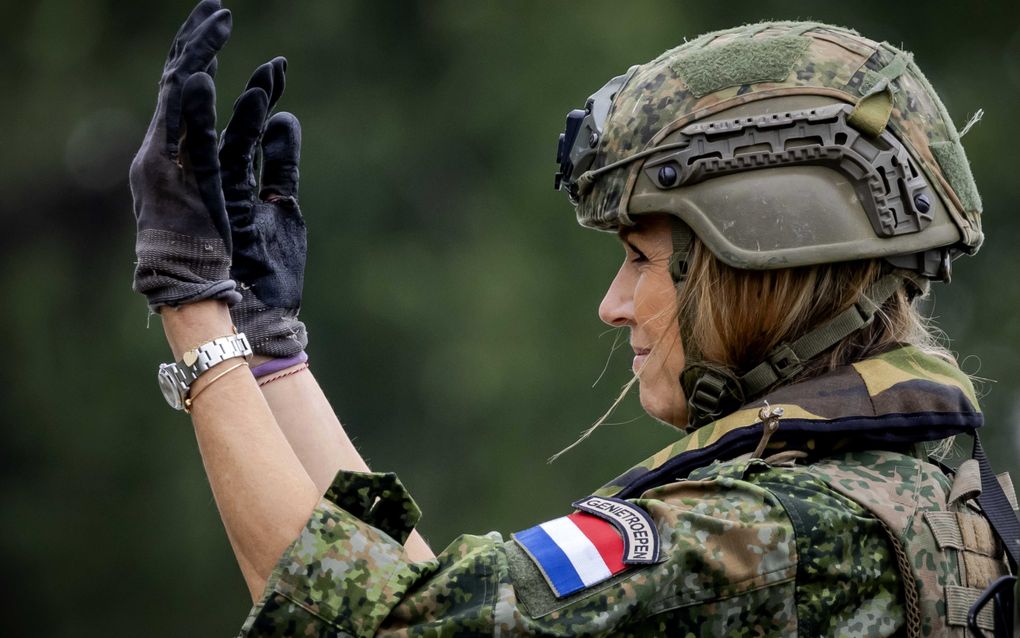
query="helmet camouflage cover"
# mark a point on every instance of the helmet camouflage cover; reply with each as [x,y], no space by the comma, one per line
[779,144]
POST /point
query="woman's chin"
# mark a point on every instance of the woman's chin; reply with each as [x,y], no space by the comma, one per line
[664,404]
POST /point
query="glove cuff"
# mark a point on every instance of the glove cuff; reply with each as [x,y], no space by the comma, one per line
[175,269]
[224,291]
[272,332]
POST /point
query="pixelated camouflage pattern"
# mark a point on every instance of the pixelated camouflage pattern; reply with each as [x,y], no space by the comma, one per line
[845,586]
[838,63]
[749,548]
[377,498]
[730,570]
[901,504]
[337,575]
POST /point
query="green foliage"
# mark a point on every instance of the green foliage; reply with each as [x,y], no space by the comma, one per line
[450,296]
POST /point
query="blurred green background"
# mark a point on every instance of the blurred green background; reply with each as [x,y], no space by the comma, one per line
[451,298]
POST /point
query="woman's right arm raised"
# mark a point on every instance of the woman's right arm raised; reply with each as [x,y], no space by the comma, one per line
[183,246]
[190,215]
[262,491]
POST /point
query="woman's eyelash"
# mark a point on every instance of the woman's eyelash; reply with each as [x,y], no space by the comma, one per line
[633,254]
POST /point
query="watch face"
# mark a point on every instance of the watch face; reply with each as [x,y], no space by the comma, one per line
[170,387]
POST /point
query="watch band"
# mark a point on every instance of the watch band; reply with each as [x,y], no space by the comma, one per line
[198,360]
[175,379]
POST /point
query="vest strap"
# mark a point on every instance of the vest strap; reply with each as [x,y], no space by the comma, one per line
[997,508]
[999,511]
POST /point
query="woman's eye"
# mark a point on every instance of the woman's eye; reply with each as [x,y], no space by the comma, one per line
[633,254]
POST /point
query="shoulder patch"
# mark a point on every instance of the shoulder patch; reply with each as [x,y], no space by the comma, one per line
[640,536]
[583,549]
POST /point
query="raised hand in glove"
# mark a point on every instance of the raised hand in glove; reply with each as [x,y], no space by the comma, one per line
[269,244]
[183,243]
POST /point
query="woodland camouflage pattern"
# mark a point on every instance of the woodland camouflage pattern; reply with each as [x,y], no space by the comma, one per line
[752,547]
[658,100]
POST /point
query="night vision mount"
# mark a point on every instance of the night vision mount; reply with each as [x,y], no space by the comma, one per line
[580,139]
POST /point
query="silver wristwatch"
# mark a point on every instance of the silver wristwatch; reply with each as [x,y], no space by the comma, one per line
[175,379]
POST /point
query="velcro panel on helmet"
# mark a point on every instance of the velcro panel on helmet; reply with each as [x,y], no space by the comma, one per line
[742,61]
[953,161]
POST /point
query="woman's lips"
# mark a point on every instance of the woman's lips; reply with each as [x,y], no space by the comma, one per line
[640,354]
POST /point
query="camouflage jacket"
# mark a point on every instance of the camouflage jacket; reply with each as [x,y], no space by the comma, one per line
[788,545]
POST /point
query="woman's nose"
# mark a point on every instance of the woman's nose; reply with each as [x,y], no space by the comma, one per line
[617,307]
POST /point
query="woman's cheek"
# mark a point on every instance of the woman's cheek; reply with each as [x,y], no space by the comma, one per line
[653,305]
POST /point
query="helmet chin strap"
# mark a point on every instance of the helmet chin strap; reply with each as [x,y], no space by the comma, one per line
[683,239]
[714,391]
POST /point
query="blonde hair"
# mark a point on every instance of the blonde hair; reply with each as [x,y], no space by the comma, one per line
[734,318]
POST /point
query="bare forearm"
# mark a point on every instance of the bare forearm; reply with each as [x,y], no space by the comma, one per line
[311,426]
[252,579]
[261,489]
[317,437]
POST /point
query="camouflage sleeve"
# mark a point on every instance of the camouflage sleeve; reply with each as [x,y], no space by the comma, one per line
[730,568]
[339,576]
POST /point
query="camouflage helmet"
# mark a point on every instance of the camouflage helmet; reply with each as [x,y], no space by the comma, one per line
[779,144]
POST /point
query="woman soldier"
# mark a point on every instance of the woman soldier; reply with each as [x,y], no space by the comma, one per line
[785,193]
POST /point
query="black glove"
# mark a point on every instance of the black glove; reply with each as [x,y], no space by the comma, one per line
[183,243]
[268,232]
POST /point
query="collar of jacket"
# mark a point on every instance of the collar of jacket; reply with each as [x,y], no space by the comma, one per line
[901,397]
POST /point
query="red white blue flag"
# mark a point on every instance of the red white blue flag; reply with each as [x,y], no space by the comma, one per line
[583,549]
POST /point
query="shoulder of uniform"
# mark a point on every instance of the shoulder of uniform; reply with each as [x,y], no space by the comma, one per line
[884,479]
[676,543]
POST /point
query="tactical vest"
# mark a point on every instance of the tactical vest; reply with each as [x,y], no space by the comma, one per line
[946,552]
[947,527]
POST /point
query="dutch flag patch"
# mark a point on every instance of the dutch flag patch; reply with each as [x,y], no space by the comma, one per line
[587,547]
